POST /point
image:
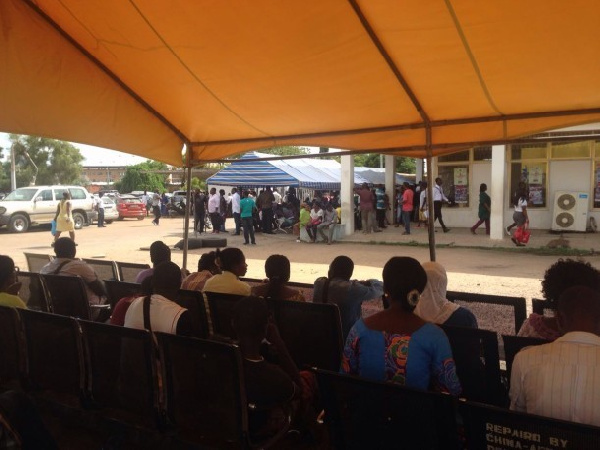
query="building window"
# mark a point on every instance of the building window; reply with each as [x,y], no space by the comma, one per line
[454,157]
[596,174]
[532,170]
[482,153]
[455,183]
[572,150]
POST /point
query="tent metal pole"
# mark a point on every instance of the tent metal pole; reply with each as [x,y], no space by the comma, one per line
[430,218]
[188,196]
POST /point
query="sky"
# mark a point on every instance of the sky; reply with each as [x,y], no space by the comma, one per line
[98,156]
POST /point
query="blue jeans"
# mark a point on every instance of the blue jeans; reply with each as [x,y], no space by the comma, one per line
[406,219]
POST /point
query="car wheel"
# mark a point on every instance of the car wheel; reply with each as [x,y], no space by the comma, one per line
[78,220]
[141,218]
[120,218]
[19,223]
[108,221]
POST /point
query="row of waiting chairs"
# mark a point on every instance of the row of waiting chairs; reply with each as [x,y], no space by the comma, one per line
[106,270]
[112,372]
[364,414]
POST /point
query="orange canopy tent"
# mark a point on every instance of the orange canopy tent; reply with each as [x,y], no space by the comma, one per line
[410,77]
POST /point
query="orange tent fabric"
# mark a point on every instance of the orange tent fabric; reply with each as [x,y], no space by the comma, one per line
[224,77]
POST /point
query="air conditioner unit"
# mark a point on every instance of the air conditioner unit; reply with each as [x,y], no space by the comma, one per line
[570,211]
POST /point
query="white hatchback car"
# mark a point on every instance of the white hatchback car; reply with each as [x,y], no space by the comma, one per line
[110,209]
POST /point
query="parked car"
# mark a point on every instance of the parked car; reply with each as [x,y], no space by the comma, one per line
[178,196]
[110,210]
[129,206]
[33,205]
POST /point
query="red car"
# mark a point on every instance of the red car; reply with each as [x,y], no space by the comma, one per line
[130,206]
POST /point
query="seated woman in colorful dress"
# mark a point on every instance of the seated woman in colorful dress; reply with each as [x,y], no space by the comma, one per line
[277,269]
[433,305]
[398,346]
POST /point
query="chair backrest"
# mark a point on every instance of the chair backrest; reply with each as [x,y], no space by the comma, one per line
[129,271]
[514,344]
[54,354]
[11,356]
[106,270]
[67,295]
[32,291]
[116,290]
[499,313]
[312,332]
[35,261]
[204,386]
[364,414]
[475,353]
[542,307]
[122,371]
[193,301]
[490,427]
[220,308]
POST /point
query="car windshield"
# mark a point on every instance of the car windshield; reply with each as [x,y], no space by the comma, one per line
[20,195]
[129,200]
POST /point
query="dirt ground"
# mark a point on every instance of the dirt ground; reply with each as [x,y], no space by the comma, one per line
[484,270]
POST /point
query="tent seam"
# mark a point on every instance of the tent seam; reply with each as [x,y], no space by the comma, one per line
[183,64]
[471,56]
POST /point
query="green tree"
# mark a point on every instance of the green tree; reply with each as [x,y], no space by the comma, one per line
[286,150]
[403,164]
[40,160]
[143,177]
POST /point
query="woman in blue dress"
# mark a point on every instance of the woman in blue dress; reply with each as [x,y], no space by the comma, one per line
[398,346]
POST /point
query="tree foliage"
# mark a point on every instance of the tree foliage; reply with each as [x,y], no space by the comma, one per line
[57,162]
[143,177]
[286,150]
[403,164]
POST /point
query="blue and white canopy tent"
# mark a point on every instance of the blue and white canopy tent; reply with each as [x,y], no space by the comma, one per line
[303,173]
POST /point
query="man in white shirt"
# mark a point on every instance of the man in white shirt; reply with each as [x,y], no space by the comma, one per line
[235,210]
[438,198]
[214,203]
[562,379]
[165,315]
[277,196]
[100,209]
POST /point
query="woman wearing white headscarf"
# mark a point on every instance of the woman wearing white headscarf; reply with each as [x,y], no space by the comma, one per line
[433,305]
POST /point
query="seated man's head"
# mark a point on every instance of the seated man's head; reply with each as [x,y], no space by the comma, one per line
[208,262]
[341,267]
[277,268]
[250,318]
[159,252]
[166,279]
[232,260]
[64,247]
[578,309]
[566,273]
[7,272]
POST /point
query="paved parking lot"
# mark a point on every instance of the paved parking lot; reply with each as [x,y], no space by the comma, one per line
[471,264]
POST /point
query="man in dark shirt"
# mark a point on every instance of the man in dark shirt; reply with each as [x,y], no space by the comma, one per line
[199,210]
[265,203]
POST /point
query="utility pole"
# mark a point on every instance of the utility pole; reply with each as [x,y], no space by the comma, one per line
[13,171]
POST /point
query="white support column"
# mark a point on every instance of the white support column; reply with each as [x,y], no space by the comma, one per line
[347,195]
[390,185]
[497,191]
[419,163]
